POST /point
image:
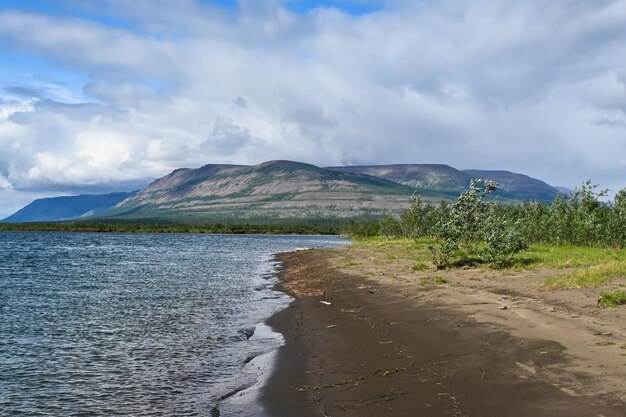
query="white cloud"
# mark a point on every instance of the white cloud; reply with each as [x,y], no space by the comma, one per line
[5,184]
[523,86]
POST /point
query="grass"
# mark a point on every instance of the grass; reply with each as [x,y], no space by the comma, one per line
[400,248]
[436,280]
[591,276]
[586,266]
[612,299]
[420,266]
[562,257]
[590,266]
[439,280]
[347,263]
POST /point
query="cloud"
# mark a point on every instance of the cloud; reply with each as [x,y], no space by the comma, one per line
[5,184]
[227,138]
[613,122]
[483,84]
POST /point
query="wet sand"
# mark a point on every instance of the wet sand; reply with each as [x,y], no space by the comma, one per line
[363,342]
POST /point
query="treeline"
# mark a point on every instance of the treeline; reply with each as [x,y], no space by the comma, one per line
[494,231]
[103,227]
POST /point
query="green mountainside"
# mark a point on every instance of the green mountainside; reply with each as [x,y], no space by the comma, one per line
[279,192]
[445,179]
[271,191]
[519,186]
[424,176]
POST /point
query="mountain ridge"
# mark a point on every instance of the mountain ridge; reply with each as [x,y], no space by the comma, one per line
[520,185]
[66,207]
[273,189]
[281,189]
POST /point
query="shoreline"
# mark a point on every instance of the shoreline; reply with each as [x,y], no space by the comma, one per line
[244,401]
[388,347]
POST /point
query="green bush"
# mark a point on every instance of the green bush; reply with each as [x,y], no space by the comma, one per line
[475,225]
[442,251]
[502,239]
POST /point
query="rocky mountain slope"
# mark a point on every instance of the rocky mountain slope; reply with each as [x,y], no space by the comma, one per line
[278,191]
[272,190]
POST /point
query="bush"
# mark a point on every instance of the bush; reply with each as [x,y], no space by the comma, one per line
[441,252]
[496,231]
[418,220]
[502,239]
[389,227]
[476,226]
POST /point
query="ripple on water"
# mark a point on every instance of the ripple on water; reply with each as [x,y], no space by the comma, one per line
[134,324]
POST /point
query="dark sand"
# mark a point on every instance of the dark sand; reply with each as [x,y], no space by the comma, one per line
[375,352]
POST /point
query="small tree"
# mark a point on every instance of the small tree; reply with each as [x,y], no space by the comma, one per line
[461,227]
[502,238]
[389,227]
[418,220]
[475,225]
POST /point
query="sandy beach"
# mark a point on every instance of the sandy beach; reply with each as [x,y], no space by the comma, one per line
[368,336]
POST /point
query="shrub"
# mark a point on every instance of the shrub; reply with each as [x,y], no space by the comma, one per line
[441,252]
[502,239]
[476,226]
[389,227]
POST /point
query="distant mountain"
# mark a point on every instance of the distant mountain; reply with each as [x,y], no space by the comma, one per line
[563,190]
[519,186]
[442,178]
[279,191]
[273,190]
[448,180]
[66,208]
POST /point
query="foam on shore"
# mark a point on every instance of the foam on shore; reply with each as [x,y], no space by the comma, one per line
[245,402]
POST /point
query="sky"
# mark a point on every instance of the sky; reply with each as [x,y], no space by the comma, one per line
[107,95]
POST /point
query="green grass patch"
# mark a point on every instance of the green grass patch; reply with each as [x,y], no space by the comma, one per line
[588,266]
[395,249]
[420,266]
[436,280]
[562,257]
[439,280]
[592,276]
[612,298]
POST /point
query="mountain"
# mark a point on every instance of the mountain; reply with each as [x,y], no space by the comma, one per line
[451,181]
[563,190]
[272,190]
[66,208]
[519,186]
[282,191]
[442,178]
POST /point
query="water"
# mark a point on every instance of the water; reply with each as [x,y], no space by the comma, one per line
[134,324]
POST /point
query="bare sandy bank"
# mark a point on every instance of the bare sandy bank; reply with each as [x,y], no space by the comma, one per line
[390,341]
